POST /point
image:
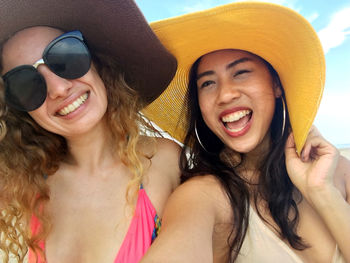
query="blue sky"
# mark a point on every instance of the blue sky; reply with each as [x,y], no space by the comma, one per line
[331,20]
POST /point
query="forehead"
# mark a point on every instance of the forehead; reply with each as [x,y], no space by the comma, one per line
[27,46]
[223,57]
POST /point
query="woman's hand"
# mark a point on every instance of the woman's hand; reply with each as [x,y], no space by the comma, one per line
[313,172]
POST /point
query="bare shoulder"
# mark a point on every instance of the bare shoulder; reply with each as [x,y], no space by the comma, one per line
[166,160]
[157,148]
[208,185]
[343,166]
[162,171]
[196,198]
[207,193]
[163,158]
[166,148]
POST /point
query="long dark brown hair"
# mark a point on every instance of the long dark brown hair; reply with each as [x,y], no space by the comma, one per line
[274,185]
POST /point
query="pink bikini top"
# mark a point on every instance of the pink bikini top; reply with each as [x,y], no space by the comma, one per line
[143,229]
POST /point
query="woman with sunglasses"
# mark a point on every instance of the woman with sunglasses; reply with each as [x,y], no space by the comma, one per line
[261,184]
[78,181]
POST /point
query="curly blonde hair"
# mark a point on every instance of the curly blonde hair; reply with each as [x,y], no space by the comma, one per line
[29,153]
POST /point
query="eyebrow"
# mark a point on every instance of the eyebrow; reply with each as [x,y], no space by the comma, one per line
[231,65]
[238,61]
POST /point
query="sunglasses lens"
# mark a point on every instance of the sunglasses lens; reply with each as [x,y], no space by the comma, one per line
[69,58]
[25,89]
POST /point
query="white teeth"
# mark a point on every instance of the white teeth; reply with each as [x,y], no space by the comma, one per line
[71,107]
[74,105]
[235,130]
[235,116]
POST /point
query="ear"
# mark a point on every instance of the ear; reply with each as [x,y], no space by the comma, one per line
[277,90]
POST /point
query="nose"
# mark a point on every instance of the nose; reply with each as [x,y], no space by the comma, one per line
[56,86]
[227,92]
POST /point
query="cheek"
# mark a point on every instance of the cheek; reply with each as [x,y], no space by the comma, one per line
[204,104]
[205,98]
[97,82]
[207,109]
[267,110]
[38,116]
[263,98]
[103,94]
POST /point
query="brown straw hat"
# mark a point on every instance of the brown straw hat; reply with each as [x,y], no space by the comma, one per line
[278,34]
[115,27]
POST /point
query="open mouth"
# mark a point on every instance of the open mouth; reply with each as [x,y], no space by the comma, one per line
[74,105]
[236,121]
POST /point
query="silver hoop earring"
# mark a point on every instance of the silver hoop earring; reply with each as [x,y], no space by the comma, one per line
[197,136]
[284,116]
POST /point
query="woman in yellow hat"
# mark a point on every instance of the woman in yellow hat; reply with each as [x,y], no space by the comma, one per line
[261,183]
[78,182]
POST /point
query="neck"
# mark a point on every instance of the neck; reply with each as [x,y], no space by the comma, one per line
[254,158]
[92,151]
[248,166]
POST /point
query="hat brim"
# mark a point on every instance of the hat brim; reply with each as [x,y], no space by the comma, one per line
[276,33]
[115,27]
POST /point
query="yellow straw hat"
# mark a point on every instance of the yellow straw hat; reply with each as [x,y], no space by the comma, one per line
[278,34]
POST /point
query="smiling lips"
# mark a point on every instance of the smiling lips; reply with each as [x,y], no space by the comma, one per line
[74,105]
[238,122]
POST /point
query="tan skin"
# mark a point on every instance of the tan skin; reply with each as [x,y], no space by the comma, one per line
[88,208]
[198,216]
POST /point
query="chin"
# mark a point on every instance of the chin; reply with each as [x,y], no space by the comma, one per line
[242,147]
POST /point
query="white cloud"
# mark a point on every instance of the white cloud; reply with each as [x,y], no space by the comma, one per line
[335,33]
[332,117]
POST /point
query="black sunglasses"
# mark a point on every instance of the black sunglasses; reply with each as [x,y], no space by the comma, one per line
[67,56]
